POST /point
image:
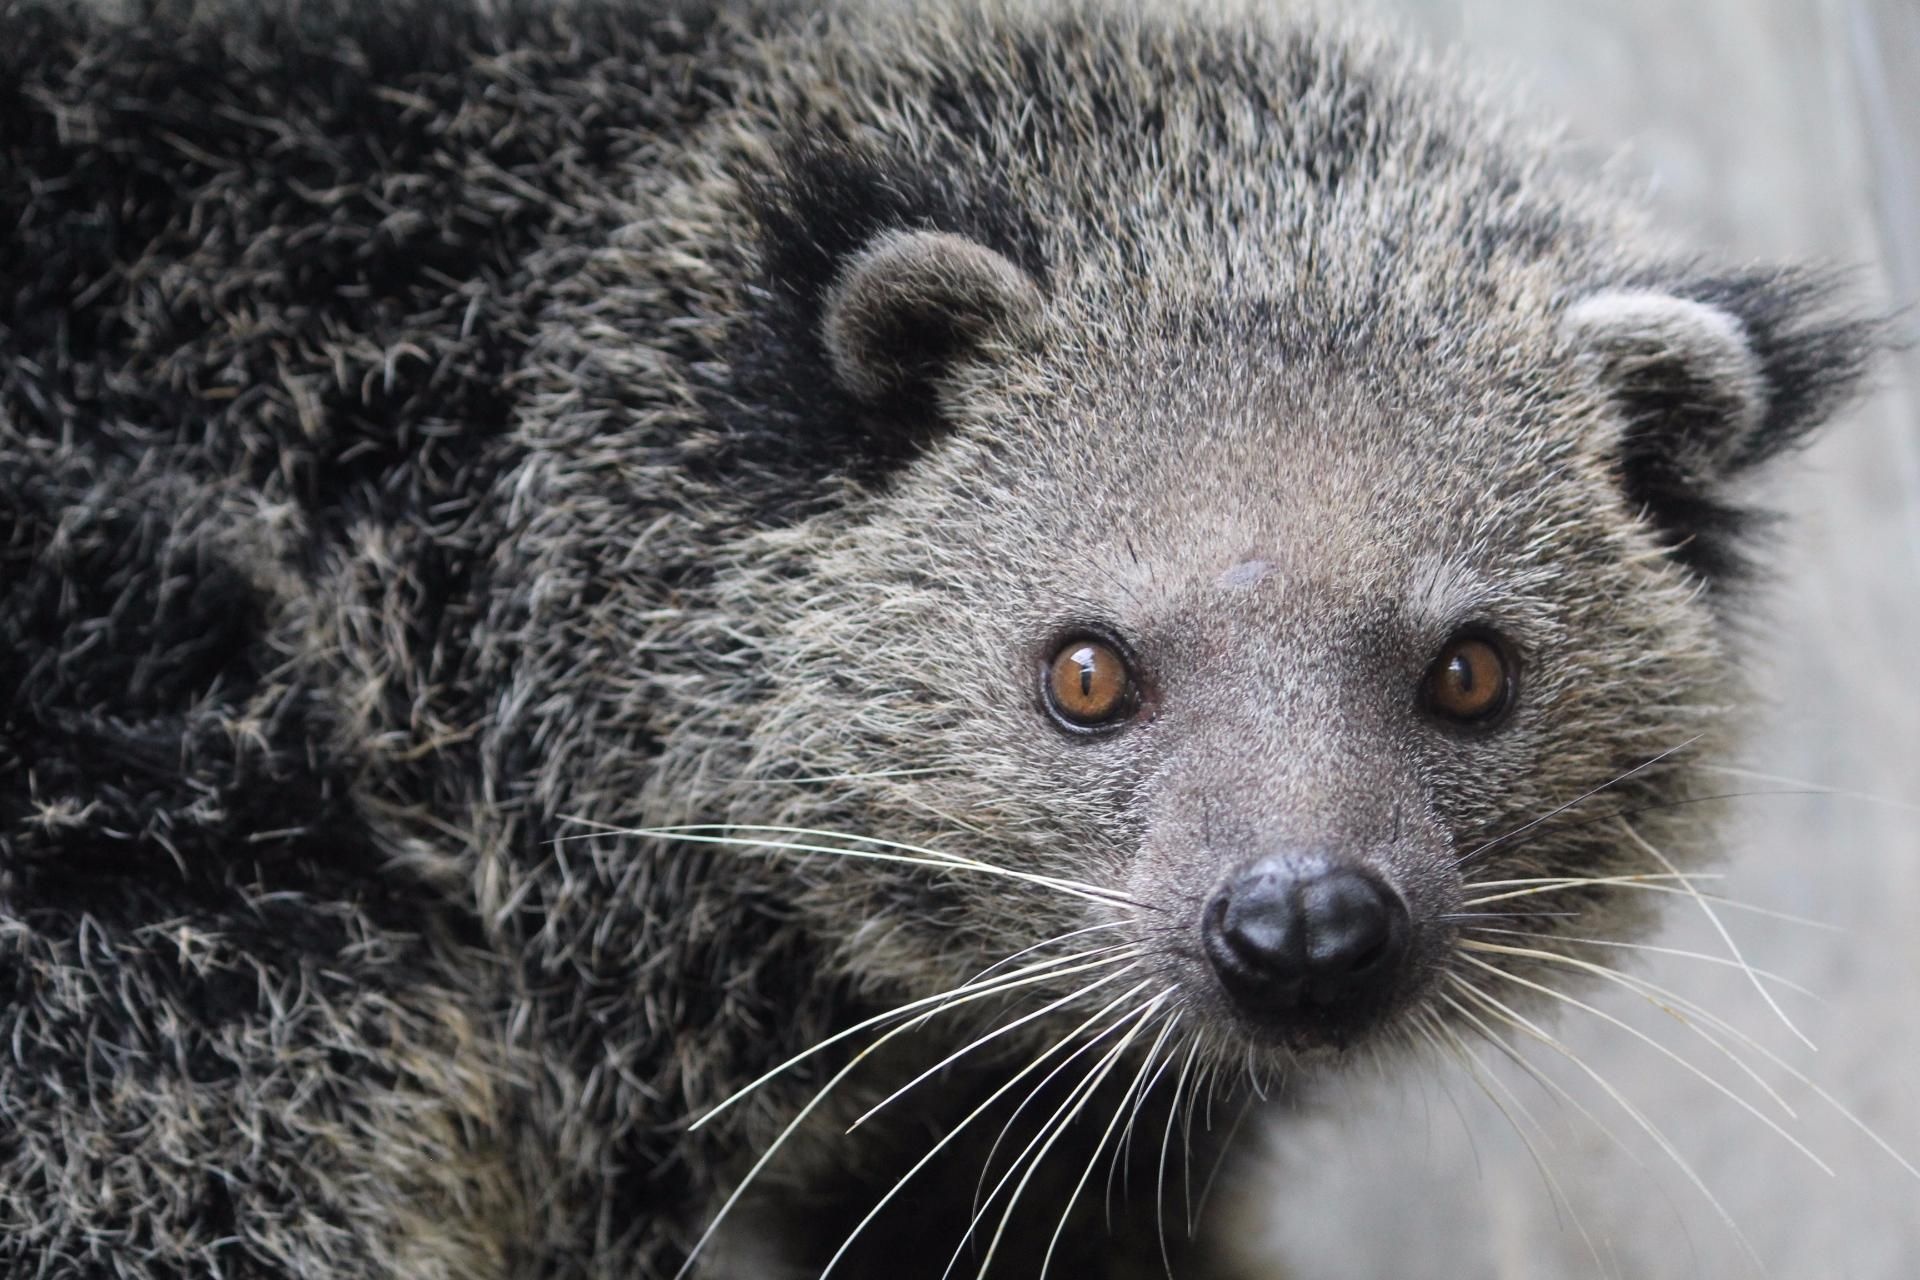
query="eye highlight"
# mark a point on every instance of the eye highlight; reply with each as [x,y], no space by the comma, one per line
[1089,685]
[1473,682]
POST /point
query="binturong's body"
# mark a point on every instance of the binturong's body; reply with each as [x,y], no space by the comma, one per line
[554,561]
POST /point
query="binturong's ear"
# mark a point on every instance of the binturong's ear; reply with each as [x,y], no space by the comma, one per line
[911,303]
[883,274]
[1710,380]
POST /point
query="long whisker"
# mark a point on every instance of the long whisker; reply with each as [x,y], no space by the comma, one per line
[1056,939]
[1513,1018]
[1668,1002]
[908,854]
[986,1166]
[1564,881]
[1208,1082]
[1219,1163]
[1107,1134]
[1420,1025]
[1521,830]
[1651,991]
[1692,1068]
[1123,1149]
[973,1115]
[1428,1026]
[1488,1082]
[1056,1125]
[1726,936]
[1096,1076]
[1553,1087]
[820,1095]
[1813,788]
[1703,956]
[1675,802]
[1040,971]
[981,1040]
[1166,1137]
[1453,916]
[1644,884]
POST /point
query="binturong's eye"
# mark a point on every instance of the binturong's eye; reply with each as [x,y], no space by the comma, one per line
[1473,682]
[1088,685]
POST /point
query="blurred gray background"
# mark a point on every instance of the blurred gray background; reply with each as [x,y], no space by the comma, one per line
[1763,129]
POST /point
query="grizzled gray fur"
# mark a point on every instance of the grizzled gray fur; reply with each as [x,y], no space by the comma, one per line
[443,446]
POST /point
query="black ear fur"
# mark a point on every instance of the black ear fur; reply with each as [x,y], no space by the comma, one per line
[827,210]
[1715,375]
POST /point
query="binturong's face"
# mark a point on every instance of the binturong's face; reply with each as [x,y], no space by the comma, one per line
[1285,696]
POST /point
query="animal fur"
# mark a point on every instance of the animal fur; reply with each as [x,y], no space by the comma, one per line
[436,440]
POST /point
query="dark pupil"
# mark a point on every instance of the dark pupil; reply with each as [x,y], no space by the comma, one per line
[1087,661]
[1462,672]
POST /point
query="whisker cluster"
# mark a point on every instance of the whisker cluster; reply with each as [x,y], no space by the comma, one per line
[1487,952]
[1132,1008]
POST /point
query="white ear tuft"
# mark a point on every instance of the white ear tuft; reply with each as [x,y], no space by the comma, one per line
[1655,351]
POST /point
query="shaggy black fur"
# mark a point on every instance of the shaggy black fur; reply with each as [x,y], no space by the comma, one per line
[275,264]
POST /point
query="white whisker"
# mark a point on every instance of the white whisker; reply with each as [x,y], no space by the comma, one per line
[1123,1150]
[1057,938]
[1726,936]
[819,1096]
[973,1115]
[1692,1068]
[1539,1077]
[1671,1003]
[907,854]
[983,1039]
[1703,956]
[1058,1125]
[1548,816]
[1644,883]
[1166,1137]
[1040,971]
[1520,1022]
[1053,1127]
[1807,787]
[1655,993]
[1560,882]
[1488,1082]
[1219,1163]
[986,1166]
[1107,1134]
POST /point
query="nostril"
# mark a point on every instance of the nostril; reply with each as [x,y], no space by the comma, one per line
[1351,921]
[1362,961]
[1255,921]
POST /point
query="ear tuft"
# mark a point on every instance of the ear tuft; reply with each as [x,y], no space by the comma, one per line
[1712,378]
[881,270]
[1687,363]
[910,303]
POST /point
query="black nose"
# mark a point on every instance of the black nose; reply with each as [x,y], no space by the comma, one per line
[1296,936]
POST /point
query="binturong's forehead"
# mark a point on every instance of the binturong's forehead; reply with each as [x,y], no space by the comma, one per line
[1165,481]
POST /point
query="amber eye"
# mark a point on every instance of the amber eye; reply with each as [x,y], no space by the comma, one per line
[1472,682]
[1089,686]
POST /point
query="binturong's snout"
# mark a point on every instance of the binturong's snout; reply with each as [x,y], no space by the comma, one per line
[1298,940]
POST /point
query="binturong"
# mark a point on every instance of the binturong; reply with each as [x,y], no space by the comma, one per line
[647,641]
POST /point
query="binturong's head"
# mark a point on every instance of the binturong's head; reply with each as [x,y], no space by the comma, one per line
[1292,550]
